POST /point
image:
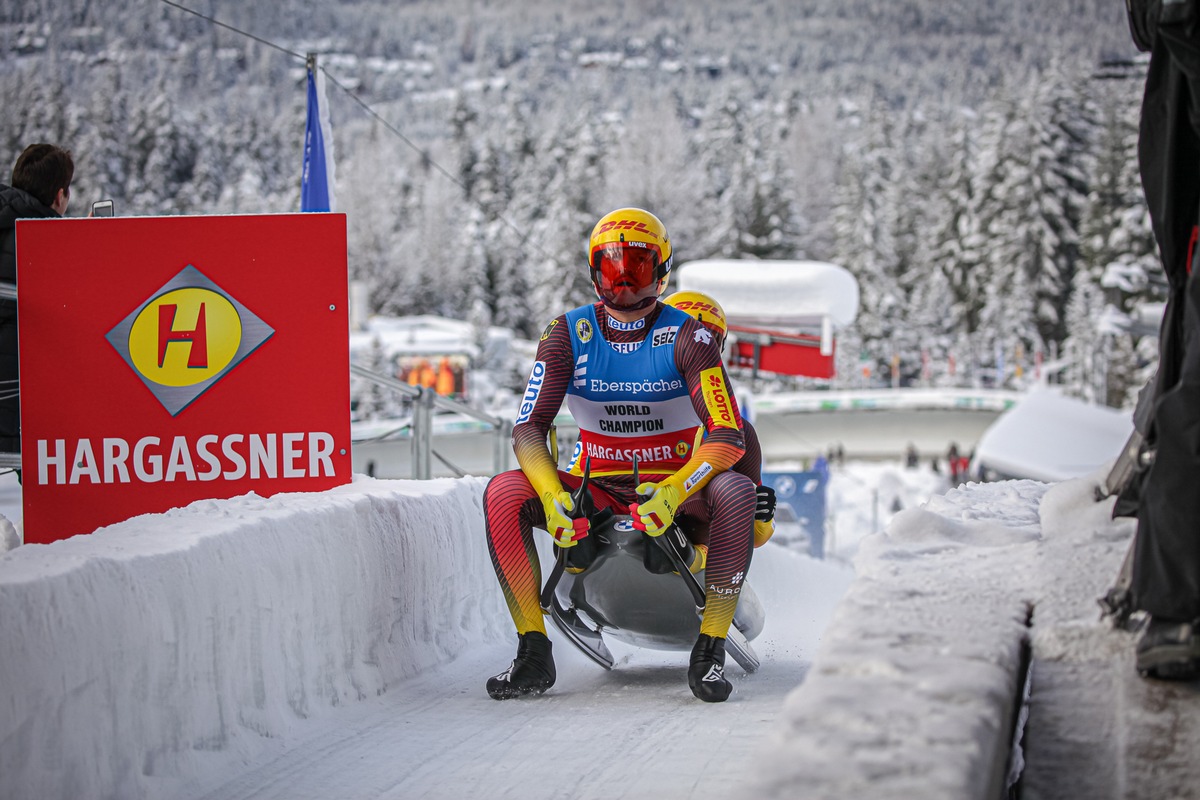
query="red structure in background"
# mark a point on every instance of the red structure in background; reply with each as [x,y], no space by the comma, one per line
[782,314]
[783,353]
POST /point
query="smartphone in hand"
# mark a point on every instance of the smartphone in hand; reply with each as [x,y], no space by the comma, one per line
[102,208]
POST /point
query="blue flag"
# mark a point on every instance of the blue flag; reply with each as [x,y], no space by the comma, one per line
[316,183]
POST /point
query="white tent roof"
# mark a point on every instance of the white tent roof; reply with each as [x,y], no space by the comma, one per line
[791,294]
[1048,436]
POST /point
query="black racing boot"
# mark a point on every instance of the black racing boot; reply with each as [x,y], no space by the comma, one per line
[1169,650]
[706,673]
[531,672]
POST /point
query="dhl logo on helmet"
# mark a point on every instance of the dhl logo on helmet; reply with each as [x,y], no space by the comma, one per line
[703,308]
[626,225]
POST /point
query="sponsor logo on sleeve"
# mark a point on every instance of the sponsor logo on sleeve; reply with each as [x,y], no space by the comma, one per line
[534,388]
[716,397]
[664,336]
[700,474]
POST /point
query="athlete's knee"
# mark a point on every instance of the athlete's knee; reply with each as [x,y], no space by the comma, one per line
[733,488]
[506,493]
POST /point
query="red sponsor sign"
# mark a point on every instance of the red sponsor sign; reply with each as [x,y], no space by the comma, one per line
[171,359]
[782,353]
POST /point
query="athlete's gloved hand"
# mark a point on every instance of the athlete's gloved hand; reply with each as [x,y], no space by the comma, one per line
[559,523]
[763,531]
[656,510]
[764,509]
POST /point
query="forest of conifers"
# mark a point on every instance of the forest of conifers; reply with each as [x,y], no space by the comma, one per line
[973,164]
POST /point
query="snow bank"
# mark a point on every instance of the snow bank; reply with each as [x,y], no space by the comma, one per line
[912,693]
[207,627]
[915,679]
[176,645]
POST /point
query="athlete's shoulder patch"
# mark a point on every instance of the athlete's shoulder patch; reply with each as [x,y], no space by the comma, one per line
[549,329]
[583,329]
[717,397]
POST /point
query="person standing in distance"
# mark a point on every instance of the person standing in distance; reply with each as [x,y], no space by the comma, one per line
[41,188]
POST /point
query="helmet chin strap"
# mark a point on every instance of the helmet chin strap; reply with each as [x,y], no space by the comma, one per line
[645,302]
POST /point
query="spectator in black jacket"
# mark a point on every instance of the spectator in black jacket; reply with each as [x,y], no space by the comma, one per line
[1166,562]
[41,187]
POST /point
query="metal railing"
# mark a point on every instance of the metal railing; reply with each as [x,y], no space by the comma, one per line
[425,400]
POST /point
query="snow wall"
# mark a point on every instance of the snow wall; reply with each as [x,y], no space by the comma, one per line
[251,613]
[246,619]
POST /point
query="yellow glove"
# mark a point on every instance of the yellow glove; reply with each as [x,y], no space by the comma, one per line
[559,524]
[764,515]
[655,513]
[763,530]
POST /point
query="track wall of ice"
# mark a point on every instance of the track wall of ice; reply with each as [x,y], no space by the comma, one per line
[279,610]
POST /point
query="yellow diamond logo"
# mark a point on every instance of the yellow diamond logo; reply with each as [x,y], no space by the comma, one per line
[186,337]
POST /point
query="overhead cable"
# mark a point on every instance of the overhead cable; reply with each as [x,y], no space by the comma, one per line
[425,156]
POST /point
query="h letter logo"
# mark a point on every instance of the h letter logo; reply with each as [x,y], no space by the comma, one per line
[197,337]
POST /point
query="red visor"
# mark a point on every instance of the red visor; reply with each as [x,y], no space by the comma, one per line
[626,276]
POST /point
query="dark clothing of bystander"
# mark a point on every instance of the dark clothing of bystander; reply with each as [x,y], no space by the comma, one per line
[14,204]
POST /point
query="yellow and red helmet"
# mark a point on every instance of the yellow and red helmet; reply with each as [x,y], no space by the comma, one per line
[629,255]
[703,308]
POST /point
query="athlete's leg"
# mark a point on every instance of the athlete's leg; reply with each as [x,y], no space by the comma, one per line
[730,500]
[511,511]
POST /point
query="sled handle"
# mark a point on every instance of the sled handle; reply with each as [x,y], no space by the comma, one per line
[583,507]
[664,542]
[693,585]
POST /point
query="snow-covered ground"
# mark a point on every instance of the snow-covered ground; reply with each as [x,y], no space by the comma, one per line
[335,645]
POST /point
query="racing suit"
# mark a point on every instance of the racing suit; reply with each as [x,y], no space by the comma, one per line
[636,390]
